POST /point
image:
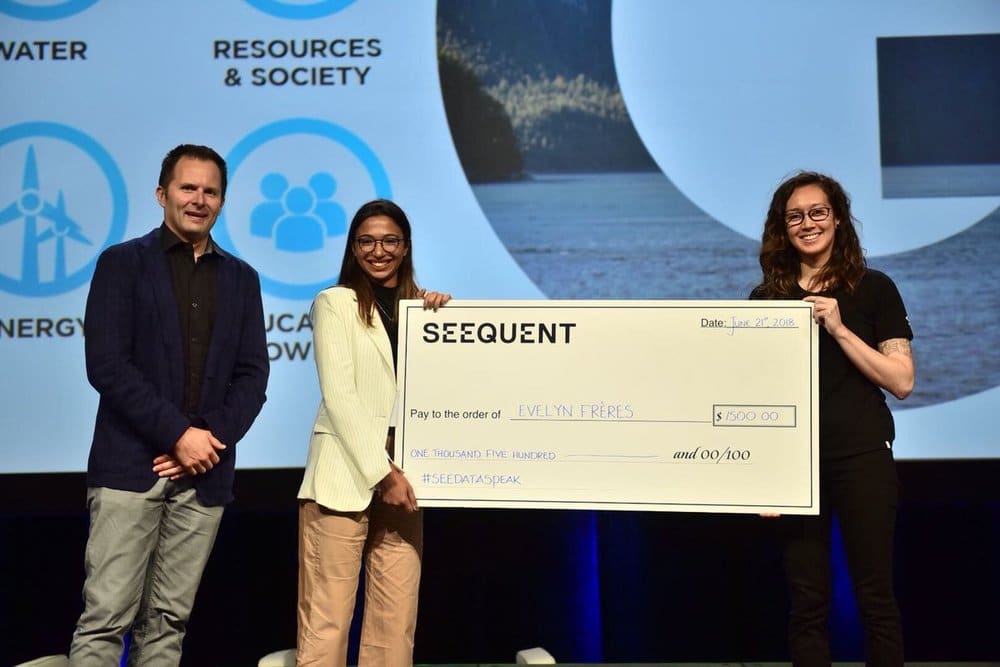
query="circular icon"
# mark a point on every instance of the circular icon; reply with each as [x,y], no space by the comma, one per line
[58,247]
[49,12]
[283,212]
[300,11]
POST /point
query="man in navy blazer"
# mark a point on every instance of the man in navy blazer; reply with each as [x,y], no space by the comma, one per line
[176,348]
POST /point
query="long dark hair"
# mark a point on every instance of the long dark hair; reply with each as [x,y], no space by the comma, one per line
[779,261]
[353,276]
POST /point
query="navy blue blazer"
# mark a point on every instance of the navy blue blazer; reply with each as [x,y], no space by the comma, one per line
[135,361]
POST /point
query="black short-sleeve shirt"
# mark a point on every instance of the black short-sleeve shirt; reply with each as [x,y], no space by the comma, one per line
[853,415]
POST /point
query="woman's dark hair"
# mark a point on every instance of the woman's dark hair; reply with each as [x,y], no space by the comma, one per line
[353,276]
[779,261]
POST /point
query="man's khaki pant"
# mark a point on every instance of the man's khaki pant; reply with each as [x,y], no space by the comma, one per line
[145,556]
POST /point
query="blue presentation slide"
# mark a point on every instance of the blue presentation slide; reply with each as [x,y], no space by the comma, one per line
[594,149]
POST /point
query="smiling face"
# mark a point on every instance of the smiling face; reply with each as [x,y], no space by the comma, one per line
[810,234]
[381,265]
[192,200]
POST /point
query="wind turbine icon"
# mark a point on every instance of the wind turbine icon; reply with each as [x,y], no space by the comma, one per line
[29,207]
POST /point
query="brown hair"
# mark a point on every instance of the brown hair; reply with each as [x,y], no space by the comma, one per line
[779,261]
[353,276]
[196,152]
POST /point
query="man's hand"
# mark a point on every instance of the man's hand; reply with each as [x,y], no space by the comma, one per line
[396,490]
[196,450]
[166,465]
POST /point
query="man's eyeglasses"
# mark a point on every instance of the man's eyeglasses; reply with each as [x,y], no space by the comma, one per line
[390,244]
[816,214]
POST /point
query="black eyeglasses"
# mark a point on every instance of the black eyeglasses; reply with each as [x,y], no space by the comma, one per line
[816,214]
[390,244]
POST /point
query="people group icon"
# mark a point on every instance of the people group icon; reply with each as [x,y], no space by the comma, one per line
[298,218]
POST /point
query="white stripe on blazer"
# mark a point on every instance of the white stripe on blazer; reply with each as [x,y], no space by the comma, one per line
[347,456]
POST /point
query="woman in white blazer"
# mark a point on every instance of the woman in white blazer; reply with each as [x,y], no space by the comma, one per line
[355,504]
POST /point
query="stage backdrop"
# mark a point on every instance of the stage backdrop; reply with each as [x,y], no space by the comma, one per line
[571,150]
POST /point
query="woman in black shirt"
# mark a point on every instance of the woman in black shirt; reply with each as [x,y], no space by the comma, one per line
[810,250]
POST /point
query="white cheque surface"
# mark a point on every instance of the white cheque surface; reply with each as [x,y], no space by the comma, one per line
[688,406]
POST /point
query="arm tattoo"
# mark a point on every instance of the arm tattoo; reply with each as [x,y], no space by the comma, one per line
[900,345]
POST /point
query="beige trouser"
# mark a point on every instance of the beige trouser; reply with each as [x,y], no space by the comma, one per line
[331,548]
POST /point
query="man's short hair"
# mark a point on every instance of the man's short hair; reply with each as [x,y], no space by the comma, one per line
[197,152]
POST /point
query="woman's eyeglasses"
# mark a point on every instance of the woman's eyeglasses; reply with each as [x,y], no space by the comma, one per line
[816,214]
[390,244]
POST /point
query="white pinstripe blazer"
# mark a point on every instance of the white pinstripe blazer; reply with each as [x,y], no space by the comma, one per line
[347,456]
